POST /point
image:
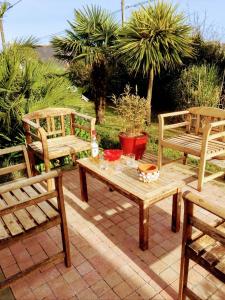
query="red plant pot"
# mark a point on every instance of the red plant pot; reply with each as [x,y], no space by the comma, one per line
[135,145]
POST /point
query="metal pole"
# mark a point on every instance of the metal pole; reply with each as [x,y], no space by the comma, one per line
[122,10]
[2,33]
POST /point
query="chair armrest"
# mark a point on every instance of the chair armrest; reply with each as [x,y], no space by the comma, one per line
[86,117]
[219,211]
[31,123]
[174,114]
[28,181]
[163,127]
[90,119]
[212,125]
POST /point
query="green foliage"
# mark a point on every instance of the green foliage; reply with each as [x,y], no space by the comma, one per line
[155,36]
[26,81]
[199,86]
[91,35]
[132,110]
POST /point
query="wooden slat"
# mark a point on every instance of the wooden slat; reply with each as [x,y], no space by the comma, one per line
[41,189]
[22,214]
[55,132]
[62,125]
[215,233]
[177,125]
[214,253]
[46,208]
[12,149]
[62,146]
[13,168]
[11,222]
[3,233]
[33,210]
[48,121]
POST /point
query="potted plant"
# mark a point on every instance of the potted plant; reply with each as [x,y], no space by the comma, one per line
[132,109]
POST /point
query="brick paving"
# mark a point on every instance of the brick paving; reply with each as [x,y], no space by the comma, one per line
[106,260]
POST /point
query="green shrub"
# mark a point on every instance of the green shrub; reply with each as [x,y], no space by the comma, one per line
[198,86]
[25,81]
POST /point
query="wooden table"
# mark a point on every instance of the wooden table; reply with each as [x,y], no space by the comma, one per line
[144,195]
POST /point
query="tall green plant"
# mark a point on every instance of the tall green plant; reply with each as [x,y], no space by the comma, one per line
[199,86]
[91,35]
[155,37]
[25,81]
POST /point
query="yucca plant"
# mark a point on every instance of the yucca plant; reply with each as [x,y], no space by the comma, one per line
[155,37]
[91,35]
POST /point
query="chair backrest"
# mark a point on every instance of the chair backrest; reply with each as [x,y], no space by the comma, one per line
[53,120]
[200,116]
[18,163]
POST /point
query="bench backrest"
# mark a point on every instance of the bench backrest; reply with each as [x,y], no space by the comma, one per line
[53,120]
[200,116]
[19,163]
[60,122]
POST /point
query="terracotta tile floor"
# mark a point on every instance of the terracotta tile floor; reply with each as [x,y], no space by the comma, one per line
[107,262]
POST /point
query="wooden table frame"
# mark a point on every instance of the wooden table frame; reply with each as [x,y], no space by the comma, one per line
[143,205]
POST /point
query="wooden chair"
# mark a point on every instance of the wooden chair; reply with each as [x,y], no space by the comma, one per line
[204,137]
[207,247]
[47,136]
[27,208]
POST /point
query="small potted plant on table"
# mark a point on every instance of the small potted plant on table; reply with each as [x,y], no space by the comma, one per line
[132,109]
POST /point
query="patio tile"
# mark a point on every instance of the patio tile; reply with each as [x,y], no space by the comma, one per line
[71,275]
[78,285]
[92,277]
[87,294]
[100,287]
[112,279]
[123,289]
[146,291]
[169,275]
[109,295]
[43,291]
[84,268]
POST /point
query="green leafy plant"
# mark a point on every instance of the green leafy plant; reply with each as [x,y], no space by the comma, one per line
[199,86]
[155,37]
[25,81]
[91,35]
[132,110]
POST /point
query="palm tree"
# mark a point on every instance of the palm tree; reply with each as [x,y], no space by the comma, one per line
[155,37]
[91,35]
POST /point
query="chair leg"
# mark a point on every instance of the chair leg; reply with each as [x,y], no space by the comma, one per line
[47,169]
[183,276]
[185,158]
[74,158]
[32,162]
[160,156]
[201,173]
[63,225]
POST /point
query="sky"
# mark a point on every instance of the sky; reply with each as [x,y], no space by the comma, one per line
[44,18]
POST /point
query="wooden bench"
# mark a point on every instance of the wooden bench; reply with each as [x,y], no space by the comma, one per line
[27,208]
[206,247]
[204,137]
[55,132]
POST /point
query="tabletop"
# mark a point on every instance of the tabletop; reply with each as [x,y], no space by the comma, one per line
[126,178]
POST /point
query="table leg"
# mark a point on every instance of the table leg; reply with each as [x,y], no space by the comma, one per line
[83,184]
[143,226]
[176,210]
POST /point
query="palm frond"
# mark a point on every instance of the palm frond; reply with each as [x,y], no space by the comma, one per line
[155,36]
